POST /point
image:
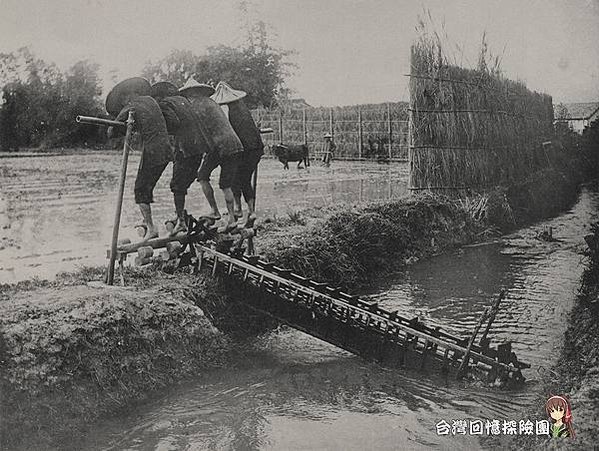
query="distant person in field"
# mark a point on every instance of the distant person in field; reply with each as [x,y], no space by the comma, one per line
[224,150]
[134,94]
[240,117]
[8,118]
[329,149]
[190,144]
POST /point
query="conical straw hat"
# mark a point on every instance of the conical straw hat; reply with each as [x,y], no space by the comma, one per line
[225,94]
[115,101]
[192,85]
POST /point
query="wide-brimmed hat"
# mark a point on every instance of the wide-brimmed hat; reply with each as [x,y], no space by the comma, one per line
[191,85]
[225,94]
[116,99]
[328,135]
[164,89]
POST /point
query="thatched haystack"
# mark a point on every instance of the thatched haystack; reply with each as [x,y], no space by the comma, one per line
[471,128]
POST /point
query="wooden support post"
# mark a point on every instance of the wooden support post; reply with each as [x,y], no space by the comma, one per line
[466,357]
[424,354]
[255,185]
[389,129]
[494,311]
[119,201]
[410,145]
[360,138]
[305,128]
[331,123]
[281,126]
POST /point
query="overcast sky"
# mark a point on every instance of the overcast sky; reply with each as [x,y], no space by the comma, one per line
[349,51]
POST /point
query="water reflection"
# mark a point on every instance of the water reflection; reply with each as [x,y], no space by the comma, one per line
[268,402]
[541,279]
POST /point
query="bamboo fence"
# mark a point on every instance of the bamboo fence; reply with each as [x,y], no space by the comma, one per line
[360,131]
[471,129]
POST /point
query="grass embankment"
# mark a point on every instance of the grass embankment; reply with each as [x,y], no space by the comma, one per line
[70,353]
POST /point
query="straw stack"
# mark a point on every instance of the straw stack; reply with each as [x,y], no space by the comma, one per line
[471,129]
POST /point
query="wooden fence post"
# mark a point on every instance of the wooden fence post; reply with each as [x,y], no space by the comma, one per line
[331,124]
[410,147]
[281,126]
[389,128]
[360,138]
[305,127]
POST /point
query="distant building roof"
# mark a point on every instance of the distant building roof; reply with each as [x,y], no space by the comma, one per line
[295,104]
[581,110]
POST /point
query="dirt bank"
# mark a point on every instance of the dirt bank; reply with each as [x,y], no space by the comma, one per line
[71,353]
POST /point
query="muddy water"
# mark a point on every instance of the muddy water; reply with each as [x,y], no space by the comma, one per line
[56,213]
[295,392]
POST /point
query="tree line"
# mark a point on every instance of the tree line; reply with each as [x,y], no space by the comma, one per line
[39,102]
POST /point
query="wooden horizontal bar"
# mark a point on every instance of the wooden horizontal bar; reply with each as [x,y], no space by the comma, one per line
[155,243]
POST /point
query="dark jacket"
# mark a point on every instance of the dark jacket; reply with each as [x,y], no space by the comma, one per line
[182,122]
[243,123]
[150,124]
[219,133]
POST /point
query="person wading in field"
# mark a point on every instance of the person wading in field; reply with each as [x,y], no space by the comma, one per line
[133,94]
[329,149]
[240,117]
[190,144]
[224,149]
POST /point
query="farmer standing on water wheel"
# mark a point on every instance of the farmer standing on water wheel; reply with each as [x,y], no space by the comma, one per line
[190,144]
[224,150]
[240,117]
[329,148]
[133,94]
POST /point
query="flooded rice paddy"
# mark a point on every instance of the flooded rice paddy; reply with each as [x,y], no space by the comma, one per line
[56,213]
[295,392]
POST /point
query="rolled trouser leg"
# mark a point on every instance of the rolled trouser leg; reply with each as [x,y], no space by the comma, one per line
[147,176]
[185,169]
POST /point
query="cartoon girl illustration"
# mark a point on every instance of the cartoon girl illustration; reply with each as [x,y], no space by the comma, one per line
[558,408]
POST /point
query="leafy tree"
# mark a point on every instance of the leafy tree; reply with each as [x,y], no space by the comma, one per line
[256,67]
[40,102]
[78,94]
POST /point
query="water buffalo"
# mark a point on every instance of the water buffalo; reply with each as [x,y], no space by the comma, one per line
[377,148]
[292,152]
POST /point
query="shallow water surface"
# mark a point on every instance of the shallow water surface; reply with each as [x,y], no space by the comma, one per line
[295,392]
[56,213]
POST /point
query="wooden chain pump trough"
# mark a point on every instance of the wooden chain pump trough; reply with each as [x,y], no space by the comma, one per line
[357,325]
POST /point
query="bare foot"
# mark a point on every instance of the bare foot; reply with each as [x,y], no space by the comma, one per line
[251,219]
[179,227]
[212,215]
[151,232]
[227,227]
